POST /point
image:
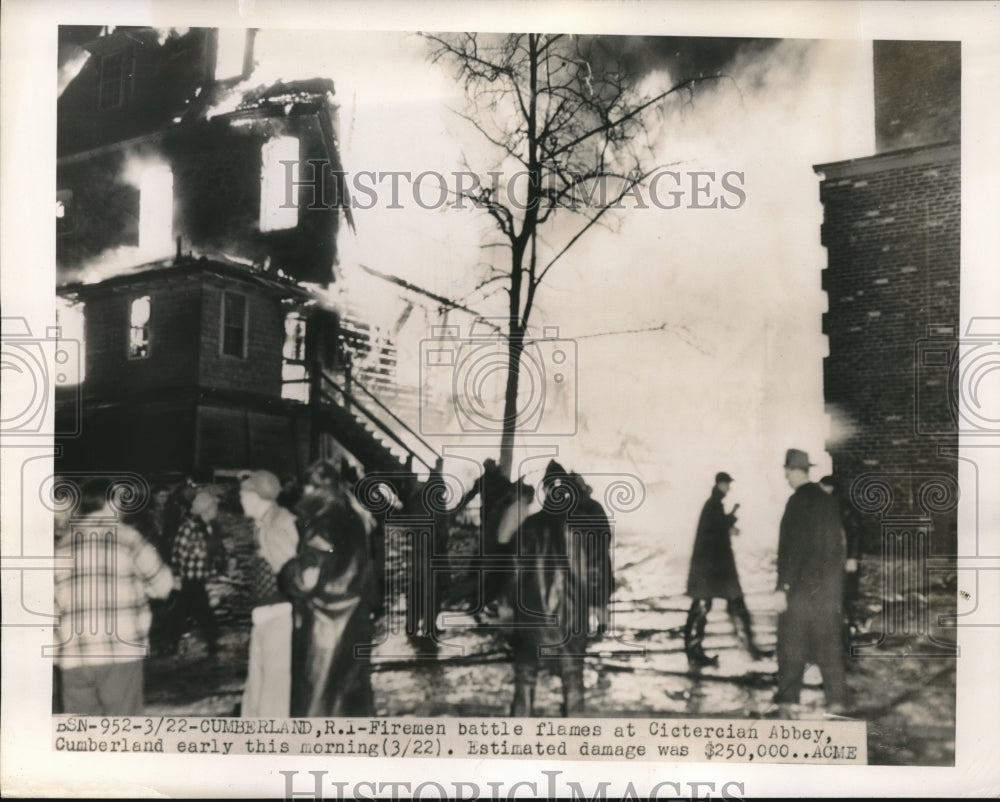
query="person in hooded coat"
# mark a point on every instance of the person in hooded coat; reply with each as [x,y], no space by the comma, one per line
[331,584]
[565,580]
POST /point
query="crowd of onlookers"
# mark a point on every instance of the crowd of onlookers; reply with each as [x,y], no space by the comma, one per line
[131,576]
[315,580]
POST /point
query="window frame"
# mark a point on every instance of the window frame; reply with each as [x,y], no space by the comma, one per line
[148,327]
[124,81]
[274,215]
[244,344]
[66,226]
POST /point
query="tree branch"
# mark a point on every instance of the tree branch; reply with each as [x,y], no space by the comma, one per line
[590,222]
[632,113]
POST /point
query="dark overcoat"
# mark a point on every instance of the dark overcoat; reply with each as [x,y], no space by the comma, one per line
[713,568]
[811,555]
[811,548]
[332,616]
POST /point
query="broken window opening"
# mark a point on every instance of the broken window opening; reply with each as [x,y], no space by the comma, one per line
[156,210]
[279,178]
[64,212]
[294,371]
[138,334]
[72,328]
[230,52]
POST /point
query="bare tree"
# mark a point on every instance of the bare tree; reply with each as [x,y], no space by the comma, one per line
[567,118]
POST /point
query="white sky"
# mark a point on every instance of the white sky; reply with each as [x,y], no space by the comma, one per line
[744,284]
[27,278]
[737,376]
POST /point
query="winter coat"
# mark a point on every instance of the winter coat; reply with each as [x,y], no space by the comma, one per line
[332,613]
[812,551]
[564,574]
[811,554]
[712,574]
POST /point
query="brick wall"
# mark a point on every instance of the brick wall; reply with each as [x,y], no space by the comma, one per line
[233,437]
[892,232]
[185,331]
[260,370]
[173,341]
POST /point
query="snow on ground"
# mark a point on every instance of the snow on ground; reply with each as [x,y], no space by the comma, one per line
[638,669]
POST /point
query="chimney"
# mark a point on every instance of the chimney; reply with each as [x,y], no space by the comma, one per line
[918,93]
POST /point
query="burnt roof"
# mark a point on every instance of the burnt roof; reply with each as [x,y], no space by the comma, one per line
[188,268]
[184,90]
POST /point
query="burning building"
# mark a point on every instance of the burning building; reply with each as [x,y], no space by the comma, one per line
[196,217]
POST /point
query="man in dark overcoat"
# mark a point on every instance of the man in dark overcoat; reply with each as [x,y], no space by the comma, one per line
[713,576]
[811,555]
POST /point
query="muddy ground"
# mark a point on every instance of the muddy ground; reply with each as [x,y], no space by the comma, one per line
[902,683]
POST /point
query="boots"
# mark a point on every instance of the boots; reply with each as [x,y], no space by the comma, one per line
[694,635]
[740,616]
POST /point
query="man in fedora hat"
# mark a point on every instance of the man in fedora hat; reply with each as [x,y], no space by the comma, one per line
[713,575]
[811,555]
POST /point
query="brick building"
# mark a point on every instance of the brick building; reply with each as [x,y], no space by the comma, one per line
[891,227]
[186,231]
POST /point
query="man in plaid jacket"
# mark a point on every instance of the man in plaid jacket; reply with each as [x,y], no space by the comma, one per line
[102,601]
[191,562]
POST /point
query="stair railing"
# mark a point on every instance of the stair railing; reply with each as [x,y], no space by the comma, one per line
[345,396]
